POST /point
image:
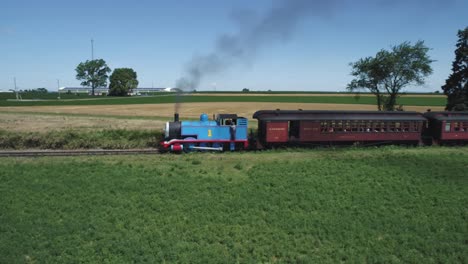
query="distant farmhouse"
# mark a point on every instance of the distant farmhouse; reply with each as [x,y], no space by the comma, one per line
[105,90]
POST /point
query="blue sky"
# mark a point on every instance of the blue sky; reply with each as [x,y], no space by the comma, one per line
[42,41]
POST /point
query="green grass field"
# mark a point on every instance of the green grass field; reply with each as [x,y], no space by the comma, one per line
[43,96]
[386,205]
[409,100]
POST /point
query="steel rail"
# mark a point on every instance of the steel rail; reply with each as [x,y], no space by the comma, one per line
[90,152]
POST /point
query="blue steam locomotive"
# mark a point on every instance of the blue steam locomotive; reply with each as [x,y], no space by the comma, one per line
[225,132]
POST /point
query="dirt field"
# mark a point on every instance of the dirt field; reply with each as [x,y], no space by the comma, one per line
[192,110]
[17,119]
[41,123]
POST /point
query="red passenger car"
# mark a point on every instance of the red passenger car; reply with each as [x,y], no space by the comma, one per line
[447,127]
[280,127]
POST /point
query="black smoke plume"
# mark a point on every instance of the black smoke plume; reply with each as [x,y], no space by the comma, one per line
[254,32]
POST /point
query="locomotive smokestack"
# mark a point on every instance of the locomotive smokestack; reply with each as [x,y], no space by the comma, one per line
[176,117]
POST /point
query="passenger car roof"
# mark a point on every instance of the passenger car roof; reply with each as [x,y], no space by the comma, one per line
[447,116]
[283,115]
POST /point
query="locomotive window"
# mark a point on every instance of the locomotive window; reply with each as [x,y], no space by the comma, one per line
[447,127]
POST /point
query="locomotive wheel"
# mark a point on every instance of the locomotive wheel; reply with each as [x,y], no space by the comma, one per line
[188,146]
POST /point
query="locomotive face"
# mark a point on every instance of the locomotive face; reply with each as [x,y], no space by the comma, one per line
[172,130]
[166,130]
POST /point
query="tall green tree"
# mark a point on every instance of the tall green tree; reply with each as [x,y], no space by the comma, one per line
[93,73]
[389,71]
[456,86]
[122,81]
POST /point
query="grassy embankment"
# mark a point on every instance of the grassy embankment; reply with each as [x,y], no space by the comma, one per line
[387,205]
[80,139]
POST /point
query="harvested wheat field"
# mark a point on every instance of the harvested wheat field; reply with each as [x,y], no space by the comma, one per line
[22,122]
[193,110]
[113,116]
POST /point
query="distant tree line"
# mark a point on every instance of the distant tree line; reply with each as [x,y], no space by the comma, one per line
[37,90]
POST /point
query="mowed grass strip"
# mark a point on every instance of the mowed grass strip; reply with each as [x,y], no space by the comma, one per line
[407,100]
[387,205]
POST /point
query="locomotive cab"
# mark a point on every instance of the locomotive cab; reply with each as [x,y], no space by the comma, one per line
[226,119]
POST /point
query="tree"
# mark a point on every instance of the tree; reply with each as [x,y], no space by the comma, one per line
[245,90]
[37,91]
[40,90]
[93,73]
[122,81]
[456,86]
[389,71]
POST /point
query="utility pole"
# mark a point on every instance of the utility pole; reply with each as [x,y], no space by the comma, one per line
[16,89]
[18,95]
[58,88]
[92,49]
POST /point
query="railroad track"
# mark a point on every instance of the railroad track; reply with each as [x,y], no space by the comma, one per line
[91,152]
